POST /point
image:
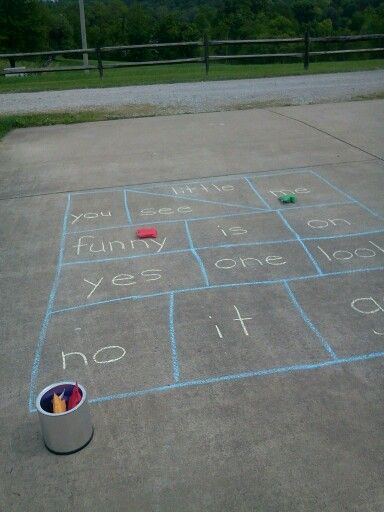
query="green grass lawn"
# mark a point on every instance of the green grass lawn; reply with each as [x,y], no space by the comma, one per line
[148,75]
[171,74]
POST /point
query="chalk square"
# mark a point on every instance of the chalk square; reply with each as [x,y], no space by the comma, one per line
[332,220]
[146,207]
[136,333]
[93,210]
[83,284]
[265,262]
[348,253]
[123,243]
[308,188]
[327,302]
[212,341]
[239,229]
[225,190]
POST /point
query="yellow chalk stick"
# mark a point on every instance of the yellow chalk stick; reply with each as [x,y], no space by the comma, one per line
[59,405]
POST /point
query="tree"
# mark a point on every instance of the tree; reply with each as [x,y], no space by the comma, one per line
[23,26]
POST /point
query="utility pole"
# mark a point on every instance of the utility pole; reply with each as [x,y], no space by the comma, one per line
[83,32]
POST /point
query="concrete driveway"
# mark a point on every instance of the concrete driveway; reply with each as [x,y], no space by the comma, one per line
[233,363]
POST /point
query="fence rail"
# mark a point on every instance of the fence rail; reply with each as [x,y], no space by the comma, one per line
[206,58]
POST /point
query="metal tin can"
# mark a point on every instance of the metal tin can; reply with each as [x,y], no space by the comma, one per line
[66,432]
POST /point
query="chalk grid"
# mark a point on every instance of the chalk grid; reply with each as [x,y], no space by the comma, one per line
[178,382]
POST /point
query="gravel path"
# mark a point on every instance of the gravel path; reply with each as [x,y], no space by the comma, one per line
[204,96]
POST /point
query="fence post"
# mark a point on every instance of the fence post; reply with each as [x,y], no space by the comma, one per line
[306,48]
[99,62]
[206,53]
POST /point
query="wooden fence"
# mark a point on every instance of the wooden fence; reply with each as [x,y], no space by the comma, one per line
[206,55]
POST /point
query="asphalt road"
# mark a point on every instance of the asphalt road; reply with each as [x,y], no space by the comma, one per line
[205,96]
[234,365]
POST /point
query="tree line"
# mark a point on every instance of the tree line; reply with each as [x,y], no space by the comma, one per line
[33,25]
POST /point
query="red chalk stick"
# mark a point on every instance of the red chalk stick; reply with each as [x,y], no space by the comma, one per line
[147,233]
[75,397]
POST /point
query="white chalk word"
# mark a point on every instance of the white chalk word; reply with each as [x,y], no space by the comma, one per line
[361,252]
[232,231]
[200,187]
[239,319]
[99,357]
[325,223]
[230,263]
[89,215]
[166,211]
[367,306]
[284,191]
[125,279]
[86,244]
